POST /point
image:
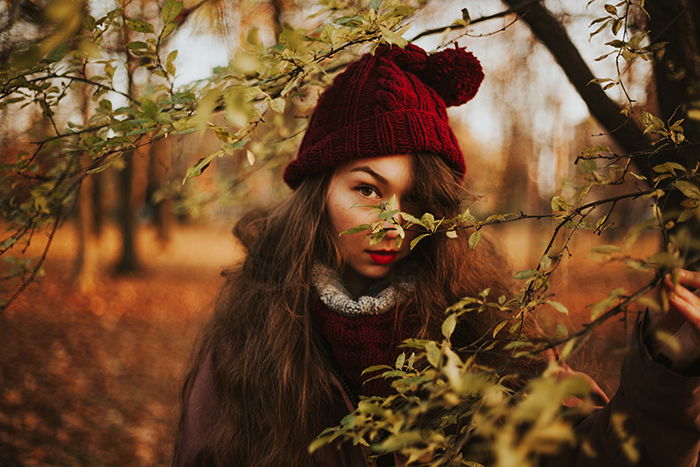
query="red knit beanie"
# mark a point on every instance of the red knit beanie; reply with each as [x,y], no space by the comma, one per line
[392,102]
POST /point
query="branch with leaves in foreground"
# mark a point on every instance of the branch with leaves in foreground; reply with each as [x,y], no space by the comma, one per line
[483,403]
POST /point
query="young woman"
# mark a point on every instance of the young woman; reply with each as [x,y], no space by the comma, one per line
[309,309]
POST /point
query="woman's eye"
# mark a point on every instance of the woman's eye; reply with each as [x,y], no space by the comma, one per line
[367,191]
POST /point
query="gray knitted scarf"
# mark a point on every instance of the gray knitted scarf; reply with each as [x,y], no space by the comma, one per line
[380,298]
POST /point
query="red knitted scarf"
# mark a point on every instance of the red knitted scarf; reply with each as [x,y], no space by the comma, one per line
[358,342]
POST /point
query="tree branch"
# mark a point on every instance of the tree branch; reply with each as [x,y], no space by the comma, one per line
[513,9]
[553,35]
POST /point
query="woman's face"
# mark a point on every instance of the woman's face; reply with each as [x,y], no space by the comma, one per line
[361,183]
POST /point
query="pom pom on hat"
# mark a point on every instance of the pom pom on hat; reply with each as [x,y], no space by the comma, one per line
[454,74]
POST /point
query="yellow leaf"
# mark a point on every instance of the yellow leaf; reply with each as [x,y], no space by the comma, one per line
[448,326]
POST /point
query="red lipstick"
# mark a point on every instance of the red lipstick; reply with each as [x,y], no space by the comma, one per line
[383,256]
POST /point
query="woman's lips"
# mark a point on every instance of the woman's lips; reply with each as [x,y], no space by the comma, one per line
[383,256]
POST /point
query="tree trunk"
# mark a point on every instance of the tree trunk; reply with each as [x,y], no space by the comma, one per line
[677,74]
[157,177]
[677,77]
[86,261]
[128,259]
[98,218]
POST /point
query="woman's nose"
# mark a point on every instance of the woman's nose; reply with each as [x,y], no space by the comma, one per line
[390,226]
[391,232]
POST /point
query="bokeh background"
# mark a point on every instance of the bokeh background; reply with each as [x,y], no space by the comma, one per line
[92,354]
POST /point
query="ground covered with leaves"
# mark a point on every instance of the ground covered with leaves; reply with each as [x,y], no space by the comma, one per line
[93,379]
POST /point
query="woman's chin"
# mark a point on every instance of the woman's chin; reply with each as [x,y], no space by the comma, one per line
[366,272]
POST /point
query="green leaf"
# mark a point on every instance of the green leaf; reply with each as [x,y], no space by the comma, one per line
[616,26]
[167,30]
[545,262]
[498,327]
[201,165]
[557,306]
[652,123]
[597,309]
[373,368]
[688,189]
[356,229]
[474,239]
[559,204]
[400,360]
[375,4]
[386,215]
[605,249]
[139,25]
[170,62]
[467,216]
[462,303]
[495,217]
[668,167]
[350,21]
[410,218]
[610,9]
[137,45]
[415,241]
[685,215]
[520,275]
[600,28]
[432,353]
[448,326]
[600,80]
[393,38]
[616,43]
[568,348]
[319,443]
[170,10]
[150,108]
[277,105]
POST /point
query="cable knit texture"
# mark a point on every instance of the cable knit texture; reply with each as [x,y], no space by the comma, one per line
[392,102]
[336,297]
[362,332]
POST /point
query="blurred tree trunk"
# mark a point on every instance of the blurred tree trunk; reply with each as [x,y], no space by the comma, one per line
[98,218]
[157,177]
[86,261]
[677,74]
[677,78]
[519,191]
[126,213]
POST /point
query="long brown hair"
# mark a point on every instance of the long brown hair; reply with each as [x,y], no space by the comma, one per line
[270,376]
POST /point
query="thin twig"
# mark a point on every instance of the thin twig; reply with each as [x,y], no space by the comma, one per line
[25,283]
[451,27]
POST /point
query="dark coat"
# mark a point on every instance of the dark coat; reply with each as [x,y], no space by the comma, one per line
[663,410]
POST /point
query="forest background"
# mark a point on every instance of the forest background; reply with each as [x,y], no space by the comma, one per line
[134,134]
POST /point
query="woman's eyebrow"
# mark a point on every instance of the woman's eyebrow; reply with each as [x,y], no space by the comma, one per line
[368,170]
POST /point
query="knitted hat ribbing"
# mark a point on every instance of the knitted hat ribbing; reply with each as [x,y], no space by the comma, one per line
[392,102]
